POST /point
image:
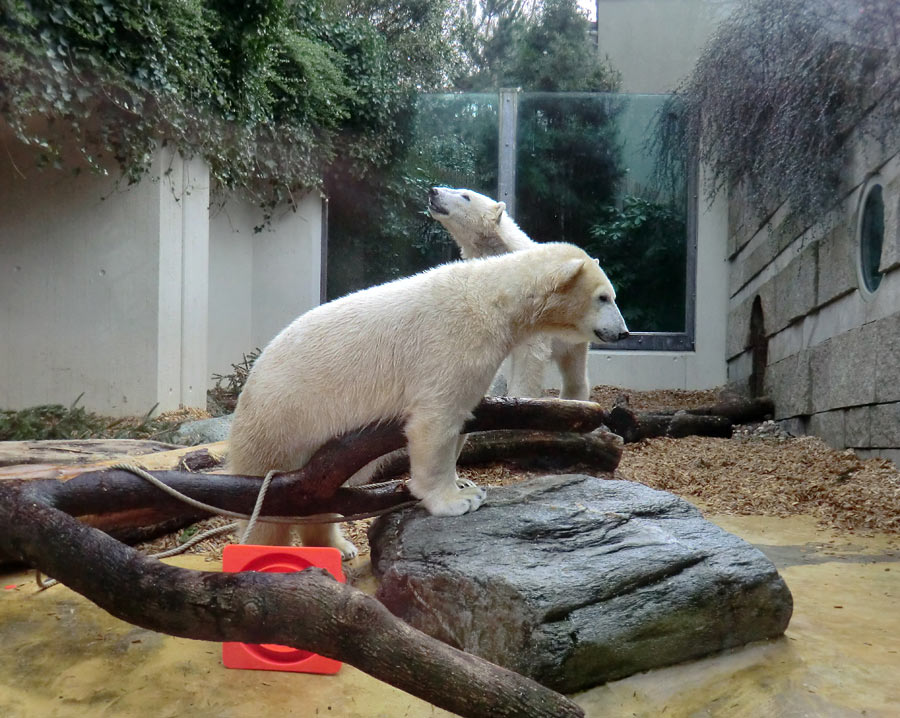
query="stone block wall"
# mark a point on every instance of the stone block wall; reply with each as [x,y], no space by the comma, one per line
[832,359]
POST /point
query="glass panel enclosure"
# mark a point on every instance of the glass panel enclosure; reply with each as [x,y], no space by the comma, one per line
[584,173]
[389,234]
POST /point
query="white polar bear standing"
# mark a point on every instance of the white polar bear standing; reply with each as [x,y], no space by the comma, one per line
[482,227]
[422,349]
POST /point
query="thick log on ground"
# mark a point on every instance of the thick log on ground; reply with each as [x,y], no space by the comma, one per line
[113,498]
[738,410]
[715,420]
[635,426]
[86,451]
[307,610]
[601,450]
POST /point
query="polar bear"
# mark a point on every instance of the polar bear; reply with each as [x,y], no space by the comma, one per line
[422,349]
[482,227]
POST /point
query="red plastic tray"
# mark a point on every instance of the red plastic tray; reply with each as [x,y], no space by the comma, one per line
[278,559]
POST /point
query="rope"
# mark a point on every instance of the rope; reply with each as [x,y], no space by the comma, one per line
[257,506]
[252,519]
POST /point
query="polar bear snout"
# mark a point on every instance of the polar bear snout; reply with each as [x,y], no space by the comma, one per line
[609,337]
[435,206]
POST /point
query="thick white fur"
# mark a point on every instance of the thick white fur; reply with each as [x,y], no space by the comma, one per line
[423,349]
[482,227]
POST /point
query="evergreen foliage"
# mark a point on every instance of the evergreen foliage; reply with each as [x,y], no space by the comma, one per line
[568,154]
[643,247]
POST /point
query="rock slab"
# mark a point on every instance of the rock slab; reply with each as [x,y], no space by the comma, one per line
[575,581]
[204,431]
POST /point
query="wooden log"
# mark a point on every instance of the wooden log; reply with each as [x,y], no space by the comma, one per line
[601,450]
[87,451]
[633,426]
[739,410]
[306,610]
[311,490]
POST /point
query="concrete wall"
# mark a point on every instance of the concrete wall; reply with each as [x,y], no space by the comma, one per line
[260,281]
[655,43]
[103,288]
[833,348]
[134,296]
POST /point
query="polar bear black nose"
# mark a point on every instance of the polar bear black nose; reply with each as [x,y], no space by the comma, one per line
[432,192]
[623,335]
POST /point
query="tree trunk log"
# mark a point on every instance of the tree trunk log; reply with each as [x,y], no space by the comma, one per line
[632,426]
[601,450]
[738,410]
[307,610]
[81,451]
[117,500]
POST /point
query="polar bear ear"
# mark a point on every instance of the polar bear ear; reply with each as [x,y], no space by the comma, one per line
[498,211]
[565,275]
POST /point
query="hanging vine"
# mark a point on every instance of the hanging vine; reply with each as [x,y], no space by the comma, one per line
[268,92]
[776,94]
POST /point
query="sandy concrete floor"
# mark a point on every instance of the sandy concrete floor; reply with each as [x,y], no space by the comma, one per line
[62,656]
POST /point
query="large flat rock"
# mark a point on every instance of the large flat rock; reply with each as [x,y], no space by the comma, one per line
[575,580]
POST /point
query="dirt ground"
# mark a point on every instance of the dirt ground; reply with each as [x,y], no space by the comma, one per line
[760,470]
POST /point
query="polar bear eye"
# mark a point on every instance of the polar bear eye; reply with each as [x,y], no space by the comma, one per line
[467,198]
[603,298]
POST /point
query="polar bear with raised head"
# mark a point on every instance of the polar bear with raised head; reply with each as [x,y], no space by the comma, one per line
[421,349]
[482,227]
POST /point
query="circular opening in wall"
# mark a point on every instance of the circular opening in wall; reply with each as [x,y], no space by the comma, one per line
[871,237]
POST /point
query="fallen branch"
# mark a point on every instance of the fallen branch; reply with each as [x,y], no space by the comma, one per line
[601,450]
[307,610]
[122,503]
[715,420]
[633,426]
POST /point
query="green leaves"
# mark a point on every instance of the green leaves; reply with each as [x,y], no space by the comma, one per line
[641,246]
[263,90]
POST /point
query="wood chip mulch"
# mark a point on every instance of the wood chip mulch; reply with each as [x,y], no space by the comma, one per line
[761,470]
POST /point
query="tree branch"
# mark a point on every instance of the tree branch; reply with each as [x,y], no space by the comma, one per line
[307,610]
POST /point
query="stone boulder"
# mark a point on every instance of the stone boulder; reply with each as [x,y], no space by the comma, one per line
[575,581]
[204,431]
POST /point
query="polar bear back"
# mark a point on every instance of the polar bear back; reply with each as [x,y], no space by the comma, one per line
[367,357]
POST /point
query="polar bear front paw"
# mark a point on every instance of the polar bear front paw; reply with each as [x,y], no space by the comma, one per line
[455,501]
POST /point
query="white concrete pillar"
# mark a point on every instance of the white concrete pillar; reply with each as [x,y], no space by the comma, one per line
[92,297]
[260,281]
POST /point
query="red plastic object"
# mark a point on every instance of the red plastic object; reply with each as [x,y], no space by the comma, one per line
[278,559]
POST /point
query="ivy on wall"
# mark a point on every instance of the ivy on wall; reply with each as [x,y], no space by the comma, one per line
[269,92]
[777,92]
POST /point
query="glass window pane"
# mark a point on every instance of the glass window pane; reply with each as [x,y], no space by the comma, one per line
[585,174]
[381,230]
[871,237]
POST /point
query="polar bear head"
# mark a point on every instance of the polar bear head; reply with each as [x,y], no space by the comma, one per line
[479,225]
[579,302]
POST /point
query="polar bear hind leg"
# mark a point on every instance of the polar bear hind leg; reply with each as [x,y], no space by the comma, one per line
[328,535]
[526,368]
